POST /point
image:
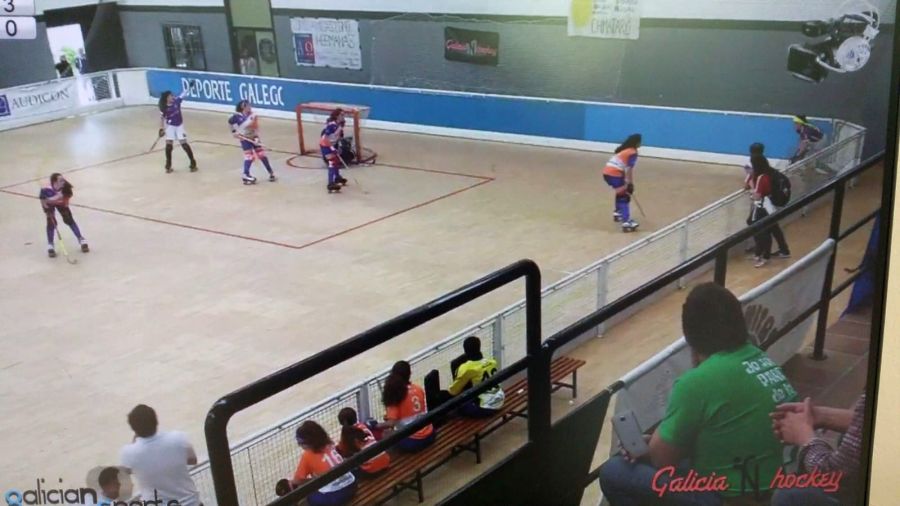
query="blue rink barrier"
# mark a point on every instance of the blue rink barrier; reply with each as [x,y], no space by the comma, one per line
[683,129]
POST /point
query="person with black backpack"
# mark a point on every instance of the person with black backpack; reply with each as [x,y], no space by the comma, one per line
[770,189]
[809,135]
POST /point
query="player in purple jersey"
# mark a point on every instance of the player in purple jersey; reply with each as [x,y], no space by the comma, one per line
[245,127]
[56,198]
[328,145]
[171,125]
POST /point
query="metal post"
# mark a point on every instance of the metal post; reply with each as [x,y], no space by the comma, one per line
[683,250]
[825,299]
[362,402]
[219,453]
[539,389]
[721,267]
[497,338]
[602,287]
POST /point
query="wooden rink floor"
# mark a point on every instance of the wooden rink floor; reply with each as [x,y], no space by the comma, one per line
[197,285]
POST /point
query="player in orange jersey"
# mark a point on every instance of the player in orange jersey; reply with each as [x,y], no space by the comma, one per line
[619,174]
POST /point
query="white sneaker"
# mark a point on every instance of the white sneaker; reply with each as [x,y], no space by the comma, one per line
[760,262]
[248,179]
[630,226]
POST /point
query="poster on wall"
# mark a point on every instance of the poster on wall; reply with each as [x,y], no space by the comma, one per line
[471,46]
[326,42]
[606,19]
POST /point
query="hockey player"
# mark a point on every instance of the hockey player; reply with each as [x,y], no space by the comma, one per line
[171,125]
[245,127]
[328,144]
[56,198]
[619,175]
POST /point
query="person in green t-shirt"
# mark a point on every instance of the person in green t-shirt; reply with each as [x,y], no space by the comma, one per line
[715,440]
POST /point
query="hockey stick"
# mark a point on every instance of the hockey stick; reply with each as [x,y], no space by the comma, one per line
[62,245]
[640,208]
[354,178]
[155,143]
[254,142]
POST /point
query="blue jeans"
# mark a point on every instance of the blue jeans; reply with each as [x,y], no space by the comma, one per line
[412,445]
[627,484]
[804,497]
[337,498]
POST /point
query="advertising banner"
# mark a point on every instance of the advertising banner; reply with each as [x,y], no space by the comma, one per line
[607,19]
[471,46]
[326,42]
[39,99]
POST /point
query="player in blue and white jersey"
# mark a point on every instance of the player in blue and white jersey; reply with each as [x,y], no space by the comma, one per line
[245,127]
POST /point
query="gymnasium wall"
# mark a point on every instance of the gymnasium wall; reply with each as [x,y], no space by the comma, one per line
[145,44]
[26,61]
[722,65]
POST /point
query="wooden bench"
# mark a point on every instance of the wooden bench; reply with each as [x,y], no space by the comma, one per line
[456,436]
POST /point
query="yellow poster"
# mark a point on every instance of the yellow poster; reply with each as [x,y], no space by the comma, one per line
[609,19]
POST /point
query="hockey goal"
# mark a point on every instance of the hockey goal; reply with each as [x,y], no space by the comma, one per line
[317,113]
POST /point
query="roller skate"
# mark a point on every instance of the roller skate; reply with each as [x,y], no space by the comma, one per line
[272,177]
[334,188]
[248,180]
[630,226]
[193,166]
[617,216]
[84,245]
[168,168]
[341,181]
[51,252]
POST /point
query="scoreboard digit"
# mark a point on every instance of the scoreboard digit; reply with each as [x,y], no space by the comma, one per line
[17,8]
[14,20]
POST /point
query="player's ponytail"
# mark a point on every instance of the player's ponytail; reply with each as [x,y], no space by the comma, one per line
[633,141]
[66,189]
[163,100]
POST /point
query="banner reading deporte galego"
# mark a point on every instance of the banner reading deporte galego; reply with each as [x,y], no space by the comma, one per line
[38,99]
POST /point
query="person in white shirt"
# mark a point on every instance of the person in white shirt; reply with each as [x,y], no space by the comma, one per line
[159,460]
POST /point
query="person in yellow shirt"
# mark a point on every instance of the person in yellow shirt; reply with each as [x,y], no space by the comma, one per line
[472,372]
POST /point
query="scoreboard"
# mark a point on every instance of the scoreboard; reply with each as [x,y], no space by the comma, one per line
[17,20]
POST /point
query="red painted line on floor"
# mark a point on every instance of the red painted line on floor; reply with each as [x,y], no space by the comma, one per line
[256,239]
[77,169]
[290,163]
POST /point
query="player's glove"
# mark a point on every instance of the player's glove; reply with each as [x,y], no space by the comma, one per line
[161,132]
[629,188]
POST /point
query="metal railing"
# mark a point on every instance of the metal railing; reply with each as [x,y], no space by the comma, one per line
[261,459]
[719,254]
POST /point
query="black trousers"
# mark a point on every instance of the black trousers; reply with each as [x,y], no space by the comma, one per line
[763,240]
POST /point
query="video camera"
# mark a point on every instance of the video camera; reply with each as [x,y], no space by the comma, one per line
[846,45]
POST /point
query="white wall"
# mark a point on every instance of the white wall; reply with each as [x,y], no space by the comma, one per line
[769,10]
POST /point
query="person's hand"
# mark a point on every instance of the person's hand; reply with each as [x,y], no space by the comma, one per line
[795,407]
[629,457]
[630,188]
[161,132]
[794,424]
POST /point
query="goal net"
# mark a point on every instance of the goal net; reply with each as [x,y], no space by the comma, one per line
[315,114]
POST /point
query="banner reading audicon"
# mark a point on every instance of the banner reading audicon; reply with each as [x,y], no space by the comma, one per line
[768,308]
[326,42]
[39,99]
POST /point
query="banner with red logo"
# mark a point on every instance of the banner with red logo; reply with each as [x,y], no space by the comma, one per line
[471,46]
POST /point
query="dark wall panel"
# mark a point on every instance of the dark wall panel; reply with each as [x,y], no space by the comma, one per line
[26,61]
[144,37]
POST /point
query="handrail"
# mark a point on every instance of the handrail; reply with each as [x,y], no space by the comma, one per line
[714,252]
[223,409]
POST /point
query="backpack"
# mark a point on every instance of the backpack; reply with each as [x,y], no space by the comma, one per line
[781,188]
[813,133]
